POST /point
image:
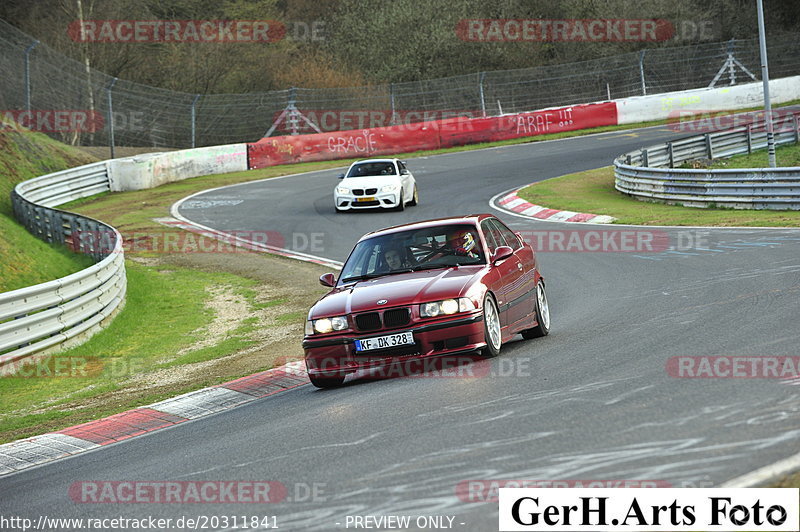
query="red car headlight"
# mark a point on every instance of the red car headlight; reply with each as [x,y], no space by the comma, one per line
[446,307]
[326,325]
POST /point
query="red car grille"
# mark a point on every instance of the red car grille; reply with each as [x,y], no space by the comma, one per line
[372,321]
[369,321]
[396,317]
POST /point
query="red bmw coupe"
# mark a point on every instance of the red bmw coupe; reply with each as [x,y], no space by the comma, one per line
[427,289]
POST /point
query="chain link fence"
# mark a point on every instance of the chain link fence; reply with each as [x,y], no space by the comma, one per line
[123,113]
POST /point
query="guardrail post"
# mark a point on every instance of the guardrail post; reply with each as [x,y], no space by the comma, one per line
[709,151]
[111,116]
[645,158]
[749,138]
[628,159]
[483,97]
[796,130]
[671,156]
[28,51]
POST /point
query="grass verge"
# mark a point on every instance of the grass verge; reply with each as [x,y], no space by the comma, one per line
[188,322]
[593,192]
[191,320]
[25,259]
[785,155]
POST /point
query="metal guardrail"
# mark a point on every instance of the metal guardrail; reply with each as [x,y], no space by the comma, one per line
[649,174]
[39,317]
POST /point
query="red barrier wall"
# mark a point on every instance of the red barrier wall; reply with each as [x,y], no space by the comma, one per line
[432,135]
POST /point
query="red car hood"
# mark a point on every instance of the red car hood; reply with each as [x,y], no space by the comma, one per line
[400,289]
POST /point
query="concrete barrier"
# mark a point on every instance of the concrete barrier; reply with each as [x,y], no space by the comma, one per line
[155,169]
[676,104]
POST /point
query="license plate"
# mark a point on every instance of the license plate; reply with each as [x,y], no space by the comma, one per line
[365,198]
[382,342]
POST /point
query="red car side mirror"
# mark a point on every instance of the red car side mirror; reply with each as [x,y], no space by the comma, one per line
[502,252]
[328,279]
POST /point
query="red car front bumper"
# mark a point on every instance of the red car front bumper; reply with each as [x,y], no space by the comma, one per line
[336,355]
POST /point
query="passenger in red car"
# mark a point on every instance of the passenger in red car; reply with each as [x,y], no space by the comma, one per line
[395,259]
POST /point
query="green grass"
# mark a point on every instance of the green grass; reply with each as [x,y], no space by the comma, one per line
[787,155]
[25,259]
[593,192]
[163,311]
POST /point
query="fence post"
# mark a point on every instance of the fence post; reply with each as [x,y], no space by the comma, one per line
[111,116]
[608,91]
[749,138]
[194,120]
[28,51]
[641,72]
[293,111]
[731,64]
[391,102]
[482,76]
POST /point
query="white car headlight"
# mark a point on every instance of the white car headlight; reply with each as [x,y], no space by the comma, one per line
[326,325]
[390,188]
[343,190]
[429,310]
[446,307]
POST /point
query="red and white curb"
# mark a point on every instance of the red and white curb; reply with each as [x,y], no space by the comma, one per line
[30,452]
[512,202]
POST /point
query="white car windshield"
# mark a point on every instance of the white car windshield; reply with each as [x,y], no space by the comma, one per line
[372,169]
[419,249]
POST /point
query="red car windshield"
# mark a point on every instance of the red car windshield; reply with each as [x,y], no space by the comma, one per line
[419,249]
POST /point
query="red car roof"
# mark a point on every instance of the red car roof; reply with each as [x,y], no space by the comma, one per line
[474,218]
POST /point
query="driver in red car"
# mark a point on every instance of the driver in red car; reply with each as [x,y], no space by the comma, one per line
[463,243]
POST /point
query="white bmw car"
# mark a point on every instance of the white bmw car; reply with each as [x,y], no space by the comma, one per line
[374,183]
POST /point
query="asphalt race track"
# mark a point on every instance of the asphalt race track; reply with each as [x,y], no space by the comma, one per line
[593,400]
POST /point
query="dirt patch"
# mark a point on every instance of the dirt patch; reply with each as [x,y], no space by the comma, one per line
[144,261]
[229,311]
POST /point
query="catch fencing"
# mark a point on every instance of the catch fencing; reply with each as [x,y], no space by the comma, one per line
[123,113]
[650,174]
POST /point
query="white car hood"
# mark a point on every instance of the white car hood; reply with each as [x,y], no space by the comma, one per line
[369,181]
